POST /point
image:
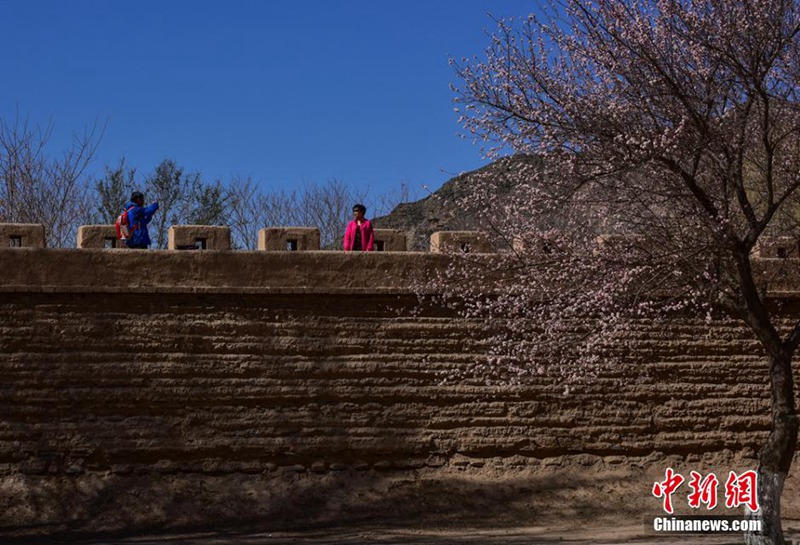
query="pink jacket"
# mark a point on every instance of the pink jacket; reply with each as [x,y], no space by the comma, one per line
[367,236]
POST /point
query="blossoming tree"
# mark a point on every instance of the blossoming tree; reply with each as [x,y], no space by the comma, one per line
[671,130]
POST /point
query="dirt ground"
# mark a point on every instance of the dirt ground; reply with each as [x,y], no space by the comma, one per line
[367,534]
[579,500]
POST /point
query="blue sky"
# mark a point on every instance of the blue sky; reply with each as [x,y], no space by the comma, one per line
[284,91]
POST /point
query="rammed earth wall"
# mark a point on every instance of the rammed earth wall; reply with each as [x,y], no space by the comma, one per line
[119,363]
[225,360]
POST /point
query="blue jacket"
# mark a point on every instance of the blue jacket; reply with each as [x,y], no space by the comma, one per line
[139,217]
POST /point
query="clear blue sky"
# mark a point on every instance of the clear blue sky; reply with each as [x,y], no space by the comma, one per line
[284,91]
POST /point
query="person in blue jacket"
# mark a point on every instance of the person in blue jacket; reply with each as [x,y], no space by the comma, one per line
[139,216]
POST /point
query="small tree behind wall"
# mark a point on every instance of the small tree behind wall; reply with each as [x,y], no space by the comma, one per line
[113,190]
[184,198]
[673,124]
[37,186]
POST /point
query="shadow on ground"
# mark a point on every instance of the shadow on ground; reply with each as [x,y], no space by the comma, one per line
[417,507]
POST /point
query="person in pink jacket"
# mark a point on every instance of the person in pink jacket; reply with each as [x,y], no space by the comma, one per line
[359,237]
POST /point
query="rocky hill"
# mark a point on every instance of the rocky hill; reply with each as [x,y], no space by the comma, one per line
[440,211]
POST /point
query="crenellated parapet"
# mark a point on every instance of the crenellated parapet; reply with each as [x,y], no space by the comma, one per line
[22,235]
[776,260]
[212,237]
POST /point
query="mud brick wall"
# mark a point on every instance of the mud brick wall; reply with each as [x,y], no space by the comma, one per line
[219,362]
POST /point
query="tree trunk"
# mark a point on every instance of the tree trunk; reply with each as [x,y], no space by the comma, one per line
[775,457]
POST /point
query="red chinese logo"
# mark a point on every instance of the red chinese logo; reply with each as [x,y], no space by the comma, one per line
[739,490]
[742,490]
[703,491]
[666,488]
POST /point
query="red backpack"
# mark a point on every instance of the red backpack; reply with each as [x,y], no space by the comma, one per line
[123,225]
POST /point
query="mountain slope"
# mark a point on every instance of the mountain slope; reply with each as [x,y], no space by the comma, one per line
[440,211]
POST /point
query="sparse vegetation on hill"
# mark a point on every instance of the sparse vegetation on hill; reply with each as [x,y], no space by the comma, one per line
[442,210]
